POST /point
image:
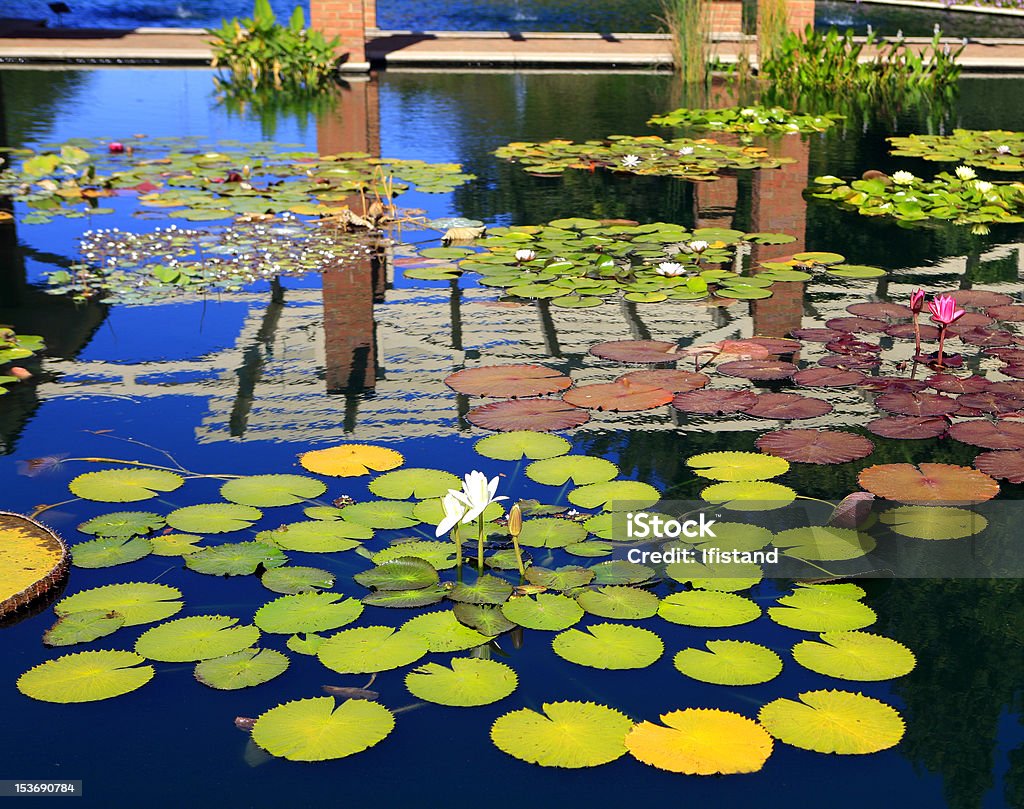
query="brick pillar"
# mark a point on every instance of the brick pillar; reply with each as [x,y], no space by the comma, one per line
[799,14]
[348,20]
[727,17]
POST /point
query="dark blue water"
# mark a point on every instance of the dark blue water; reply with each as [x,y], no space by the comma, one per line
[170,375]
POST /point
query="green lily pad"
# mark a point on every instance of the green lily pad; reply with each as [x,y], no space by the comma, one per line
[591,549]
[213,518]
[933,522]
[123,524]
[546,611]
[615,495]
[305,644]
[235,559]
[109,551]
[198,637]
[708,608]
[175,544]
[242,669]
[551,532]
[824,543]
[289,579]
[367,649]
[816,611]
[729,662]
[855,656]
[307,612]
[137,602]
[609,646]
[737,466]
[124,485]
[440,555]
[419,483]
[317,536]
[82,627]
[485,619]
[403,573]
[406,599]
[486,589]
[615,601]
[518,444]
[315,730]
[620,571]
[754,495]
[85,677]
[564,578]
[442,632]
[272,490]
[580,469]
[571,735]
[469,682]
[382,514]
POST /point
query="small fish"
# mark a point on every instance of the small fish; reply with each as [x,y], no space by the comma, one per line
[351,692]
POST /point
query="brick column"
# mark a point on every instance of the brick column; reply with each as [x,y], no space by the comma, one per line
[727,17]
[348,20]
[800,14]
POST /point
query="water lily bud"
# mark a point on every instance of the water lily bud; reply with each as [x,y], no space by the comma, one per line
[116,147]
[965,173]
[525,254]
[515,520]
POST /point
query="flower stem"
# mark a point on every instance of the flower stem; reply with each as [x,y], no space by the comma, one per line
[458,547]
[519,557]
[480,544]
[942,341]
[917,337]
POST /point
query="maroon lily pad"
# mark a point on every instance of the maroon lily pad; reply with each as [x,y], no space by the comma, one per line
[788,406]
[949,383]
[618,397]
[758,369]
[908,426]
[851,362]
[827,378]
[916,404]
[1009,387]
[979,298]
[852,511]
[847,344]
[815,446]
[986,337]
[715,401]
[880,311]
[987,401]
[510,381]
[895,383]
[906,331]
[1014,356]
[776,345]
[856,325]
[1012,313]
[669,379]
[969,320]
[1007,463]
[645,352]
[818,335]
[989,434]
[928,483]
[1016,371]
[528,414]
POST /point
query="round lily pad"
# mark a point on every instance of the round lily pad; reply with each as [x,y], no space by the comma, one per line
[609,646]
[198,637]
[486,589]
[403,573]
[512,446]
[124,485]
[617,601]
[367,649]
[307,612]
[815,446]
[545,611]
[317,730]
[715,402]
[525,414]
[296,579]
[855,656]
[467,683]
[618,397]
[419,483]
[317,536]
[242,669]
[442,632]
[737,465]
[833,722]
[564,578]
[213,518]
[636,351]
[670,379]
[272,490]
[82,627]
[137,602]
[123,524]
[749,495]
[109,551]
[551,532]
[708,608]
[235,559]
[820,611]
[382,514]
[580,469]
[935,483]
[615,495]
[567,734]
[175,544]
[508,381]
[351,460]
[729,662]
[824,543]
[85,677]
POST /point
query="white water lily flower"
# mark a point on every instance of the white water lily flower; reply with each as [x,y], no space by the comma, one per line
[983,186]
[525,254]
[477,494]
[670,269]
[903,178]
[686,150]
[697,246]
[1002,149]
[748,113]
[965,173]
[454,511]
[631,161]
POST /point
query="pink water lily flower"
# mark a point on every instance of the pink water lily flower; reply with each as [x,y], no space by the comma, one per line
[917,300]
[944,310]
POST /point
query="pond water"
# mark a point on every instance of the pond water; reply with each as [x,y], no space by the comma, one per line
[515,15]
[242,382]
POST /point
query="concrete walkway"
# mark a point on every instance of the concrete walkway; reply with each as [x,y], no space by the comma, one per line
[404,49]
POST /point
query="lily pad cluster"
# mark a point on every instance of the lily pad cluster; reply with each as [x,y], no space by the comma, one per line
[15,347]
[995,149]
[959,198]
[752,120]
[452,614]
[198,180]
[139,268]
[701,159]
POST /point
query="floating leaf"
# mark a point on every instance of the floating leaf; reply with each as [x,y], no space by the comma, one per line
[305,644]
[124,485]
[590,549]
[701,741]
[508,381]
[619,571]
[315,730]
[824,543]
[729,662]
[758,369]
[407,599]
[737,465]
[523,414]
[382,514]
[85,677]
[928,483]
[908,427]
[235,559]
[431,511]
[989,434]
[109,551]
[567,734]
[717,402]
[827,378]
[618,397]
[403,573]
[815,446]
[82,627]
[242,669]
[272,490]
[175,544]
[317,536]
[609,646]
[213,518]
[580,469]
[562,579]
[833,722]
[788,406]
[307,612]
[367,649]
[933,522]
[637,351]
[468,683]
[442,632]
[615,495]
[670,379]
[906,403]
[735,536]
[513,446]
[440,555]
[123,524]
[1008,464]
[198,637]
[855,656]
[752,495]
[821,611]
[137,602]
[487,620]
[296,579]
[350,460]
[551,532]
[615,601]
[419,483]
[33,561]
[486,589]
[546,611]
[708,608]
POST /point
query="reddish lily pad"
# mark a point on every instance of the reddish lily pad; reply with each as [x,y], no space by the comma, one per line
[1011,313]
[1009,388]
[1016,371]
[508,381]
[880,311]
[850,362]
[895,383]
[776,345]
[989,434]
[848,344]
[1007,463]
[638,351]
[917,404]
[949,383]
[758,369]
[543,415]
[856,325]
[618,397]
[669,379]
[788,406]
[815,446]
[991,402]
[818,335]
[929,483]
[968,321]
[986,337]
[908,427]
[906,331]
[717,401]
[1014,356]
[822,377]
[979,298]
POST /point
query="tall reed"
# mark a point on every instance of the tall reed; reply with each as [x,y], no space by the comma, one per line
[689,24]
[772,26]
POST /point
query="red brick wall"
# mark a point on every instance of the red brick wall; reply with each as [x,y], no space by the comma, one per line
[347,19]
[349,330]
[727,16]
[354,124]
[800,14]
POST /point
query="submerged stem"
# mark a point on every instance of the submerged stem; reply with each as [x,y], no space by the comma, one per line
[480,544]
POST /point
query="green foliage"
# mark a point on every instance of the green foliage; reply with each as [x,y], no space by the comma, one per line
[752,120]
[14,347]
[259,52]
[689,26]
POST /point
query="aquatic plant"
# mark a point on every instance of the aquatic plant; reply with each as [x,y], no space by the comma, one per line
[944,312]
[749,120]
[689,28]
[772,28]
[259,52]
[995,149]
[15,347]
